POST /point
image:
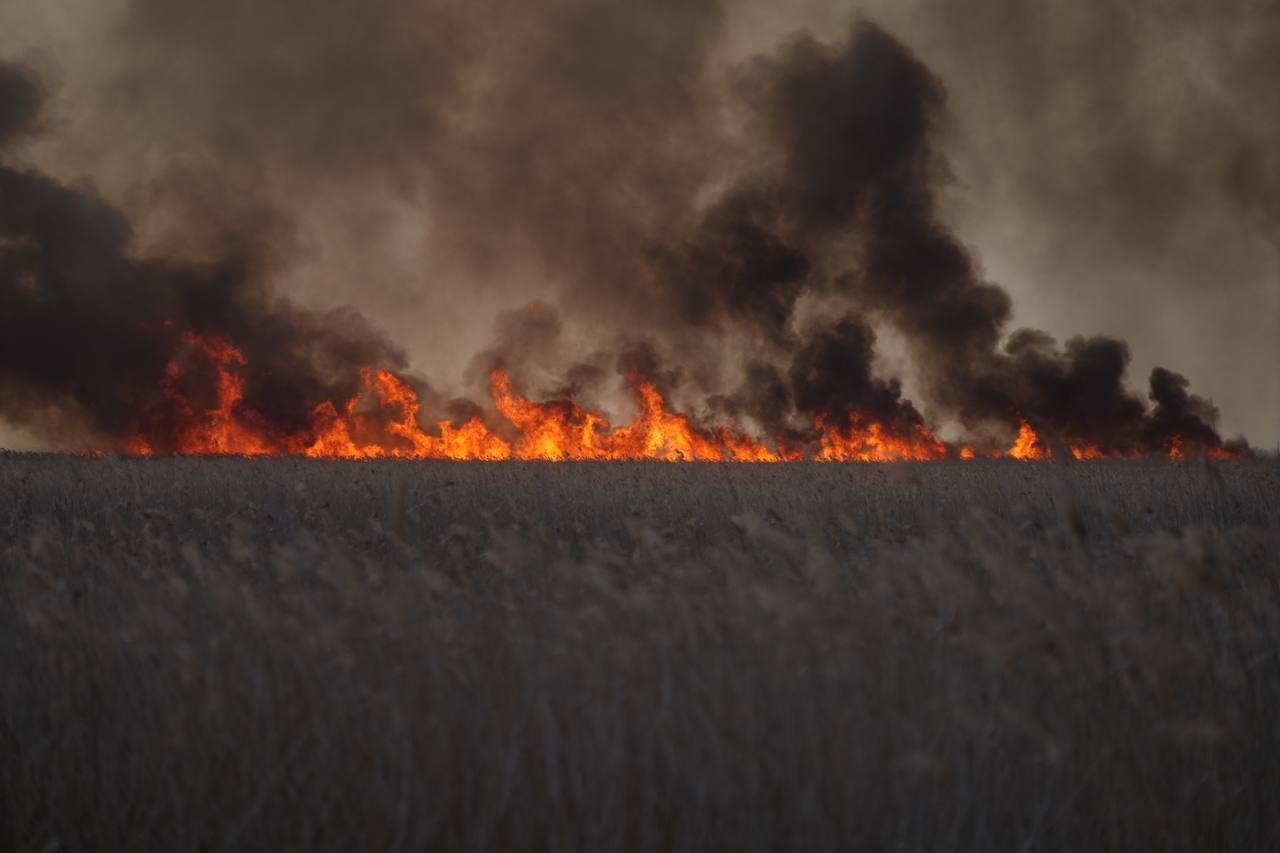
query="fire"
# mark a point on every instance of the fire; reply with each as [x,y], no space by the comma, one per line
[382,420]
[1177,453]
[873,443]
[397,408]
[1028,445]
[744,448]
[561,429]
[558,429]
[225,427]
[659,434]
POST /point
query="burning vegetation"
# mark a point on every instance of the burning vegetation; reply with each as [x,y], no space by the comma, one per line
[383,420]
[152,356]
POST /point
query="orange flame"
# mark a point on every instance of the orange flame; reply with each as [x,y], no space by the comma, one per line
[1178,451]
[874,444]
[561,429]
[224,428]
[381,420]
[1028,445]
[399,436]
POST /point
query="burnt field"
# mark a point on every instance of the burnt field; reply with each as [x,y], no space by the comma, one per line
[226,654]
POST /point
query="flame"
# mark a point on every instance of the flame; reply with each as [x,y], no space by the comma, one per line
[399,436]
[659,434]
[557,429]
[561,429]
[382,420]
[1028,445]
[225,427]
[1087,450]
[744,448]
[873,443]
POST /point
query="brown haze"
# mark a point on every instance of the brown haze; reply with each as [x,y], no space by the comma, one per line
[714,192]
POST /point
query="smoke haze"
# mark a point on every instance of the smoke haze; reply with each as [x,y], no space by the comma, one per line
[744,203]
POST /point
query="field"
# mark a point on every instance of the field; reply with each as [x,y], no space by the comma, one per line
[226,654]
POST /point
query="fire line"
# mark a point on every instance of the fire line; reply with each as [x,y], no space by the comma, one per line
[381,421]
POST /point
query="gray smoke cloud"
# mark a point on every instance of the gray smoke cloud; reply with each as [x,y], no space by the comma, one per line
[694,181]
[1103,151]
[87,330]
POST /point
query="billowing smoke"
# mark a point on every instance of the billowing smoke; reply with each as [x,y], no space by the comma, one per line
[846,206]
[734,233]
[87,331]
[872,169]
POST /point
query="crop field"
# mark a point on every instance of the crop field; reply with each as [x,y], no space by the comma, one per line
[233,654]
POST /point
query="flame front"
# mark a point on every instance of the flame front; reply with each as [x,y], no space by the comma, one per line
[395,432]
[873,443]
[561,429]
[381,421]
[225,427]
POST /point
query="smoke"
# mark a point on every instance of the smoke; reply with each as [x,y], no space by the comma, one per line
[831,378]
[87,330]
[1121,176]
[857,127]
[734,229]
[19,103]
[1178,412]
[852,178]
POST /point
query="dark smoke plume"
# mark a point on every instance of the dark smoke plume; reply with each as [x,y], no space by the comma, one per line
[20,98]
[831,377]
[853,129]
[746,268]
[86,330]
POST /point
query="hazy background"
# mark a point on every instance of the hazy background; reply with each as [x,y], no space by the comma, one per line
[1115,166]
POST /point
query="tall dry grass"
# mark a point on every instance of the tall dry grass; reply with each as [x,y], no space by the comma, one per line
[232,655]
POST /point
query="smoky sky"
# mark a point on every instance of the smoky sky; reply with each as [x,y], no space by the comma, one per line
[746,193]
[87,330]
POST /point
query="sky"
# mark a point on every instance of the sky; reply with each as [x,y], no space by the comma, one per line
[438,166]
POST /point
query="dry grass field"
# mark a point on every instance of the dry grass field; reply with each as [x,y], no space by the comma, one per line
[225,654]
